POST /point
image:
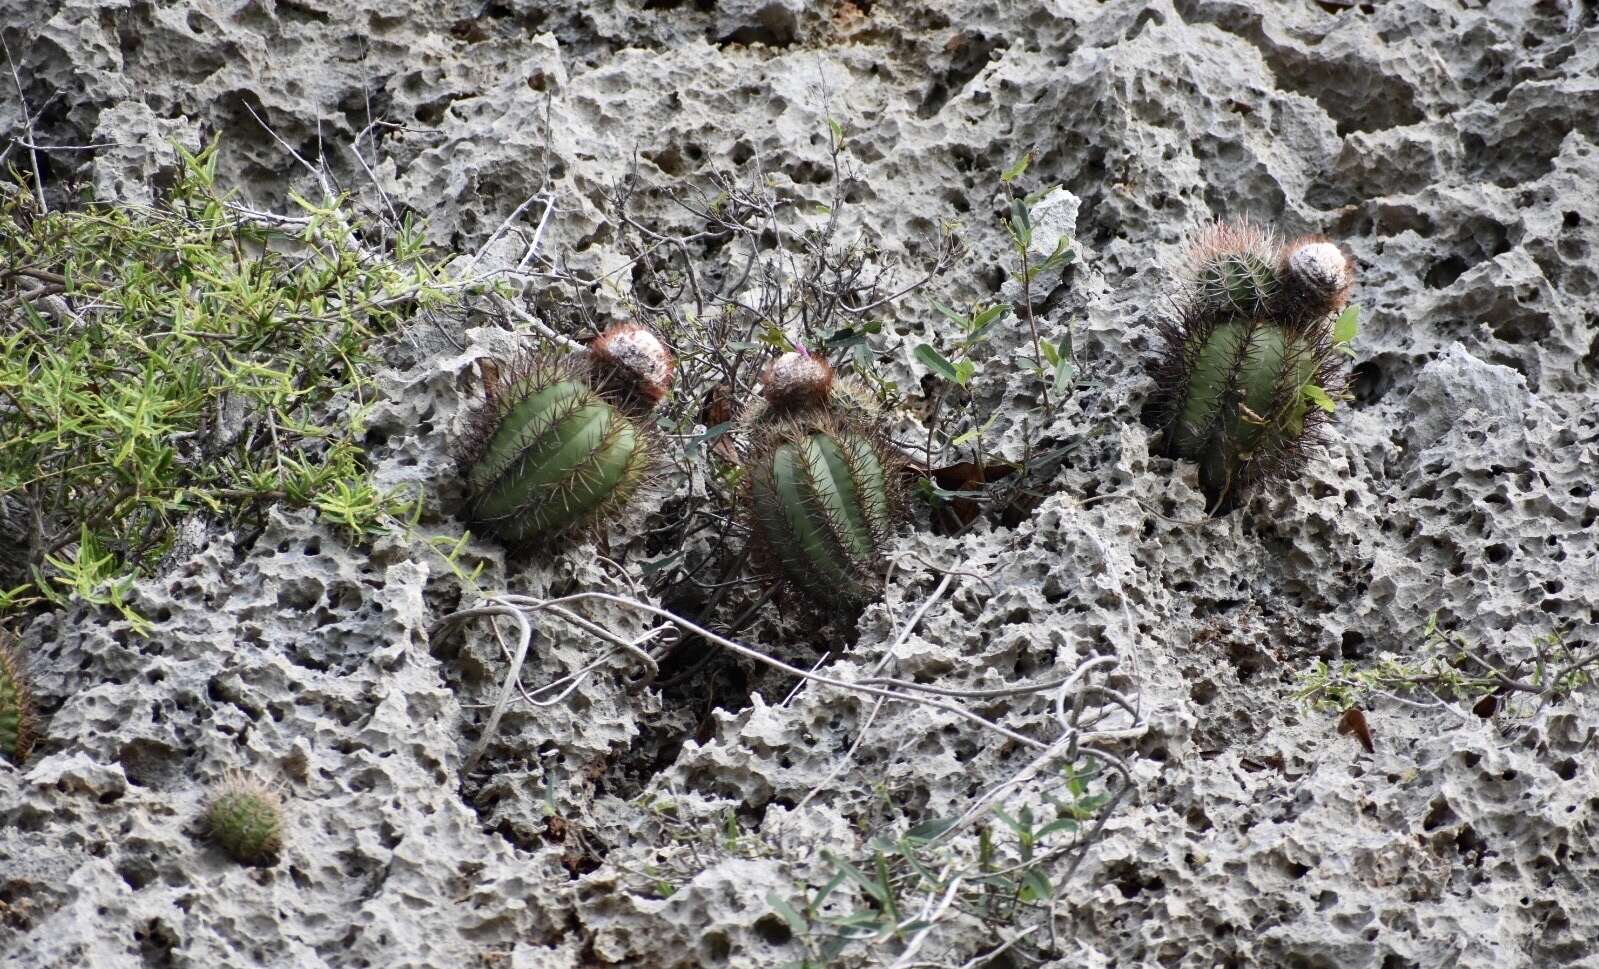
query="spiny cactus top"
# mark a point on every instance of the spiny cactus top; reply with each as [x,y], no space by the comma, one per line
[1249,354]
[564,444]
[16,704]
[245,818]
[819,486]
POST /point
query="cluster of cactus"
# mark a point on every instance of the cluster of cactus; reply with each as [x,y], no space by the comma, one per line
[245,819]
[16,704]
[564,444]
[1249,355]
[819,487]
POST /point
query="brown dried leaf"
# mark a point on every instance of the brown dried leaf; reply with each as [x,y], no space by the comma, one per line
[489,369]
[1354,722]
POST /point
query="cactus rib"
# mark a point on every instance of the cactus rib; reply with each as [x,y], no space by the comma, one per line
[820,510]
[16,705]
[559,458]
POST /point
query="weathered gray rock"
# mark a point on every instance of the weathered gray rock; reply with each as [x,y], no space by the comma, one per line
[1453,150]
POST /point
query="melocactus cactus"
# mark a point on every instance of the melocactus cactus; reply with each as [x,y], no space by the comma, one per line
[245,819]
[819,486]
[16,704]
[564,444]
[1250,364]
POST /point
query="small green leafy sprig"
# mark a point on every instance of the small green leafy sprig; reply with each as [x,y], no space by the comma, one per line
[1451,668]
[998,880]
[1344,331]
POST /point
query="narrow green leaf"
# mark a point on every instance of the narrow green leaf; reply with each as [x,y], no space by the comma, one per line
[861,919]
[928,830]
[1059,824]
[908,852]
[1064,370]
[976,431]
[878,892]
[711,434]
[838,879]
[963,322]
[1010,822]
[987,318]
[1017,168]
[1319,397]
[1021,223]
[838,132]
[1062,255]
[1033,197]
[936,362]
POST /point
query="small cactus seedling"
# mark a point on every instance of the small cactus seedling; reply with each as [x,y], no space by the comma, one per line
[564,445]
[16,705]
[245,819]
[819,486]
[1250,363]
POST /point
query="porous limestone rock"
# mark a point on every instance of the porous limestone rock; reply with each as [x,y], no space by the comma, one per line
[1454,149]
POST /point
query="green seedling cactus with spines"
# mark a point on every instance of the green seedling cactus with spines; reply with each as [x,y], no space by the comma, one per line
[564,445]
[16,704]
[1251,363]
[819,490]
[245,819]
[1234,269]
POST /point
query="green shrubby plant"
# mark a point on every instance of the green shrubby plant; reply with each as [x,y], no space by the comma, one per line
[194,357]
[905,885]
[1448,667]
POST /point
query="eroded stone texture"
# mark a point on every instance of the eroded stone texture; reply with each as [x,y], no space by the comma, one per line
[1452,150]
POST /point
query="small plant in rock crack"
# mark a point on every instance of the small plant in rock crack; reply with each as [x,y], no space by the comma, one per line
[1252,363]
[1040,258]
[819,488]
[16,703]
[911,883]
[562,444]
[1450,668]
[245,819]
[1056,362]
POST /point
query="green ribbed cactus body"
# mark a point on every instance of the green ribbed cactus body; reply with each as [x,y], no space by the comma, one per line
[1250,367]
[16,706]
[820,507]
[559,457]
[1244,399]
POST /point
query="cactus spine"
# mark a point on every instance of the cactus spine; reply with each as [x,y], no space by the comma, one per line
[564,445]
[16,705]
[245,819]
[819,487]
[1252,337]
